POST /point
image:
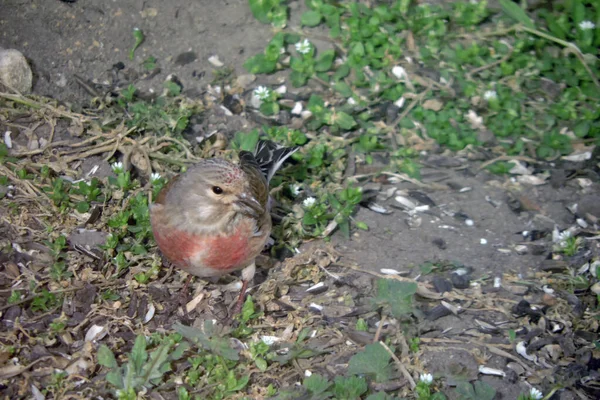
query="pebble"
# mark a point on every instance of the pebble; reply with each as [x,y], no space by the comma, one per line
[15,71]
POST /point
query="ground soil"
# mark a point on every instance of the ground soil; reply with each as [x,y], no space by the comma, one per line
[86,38]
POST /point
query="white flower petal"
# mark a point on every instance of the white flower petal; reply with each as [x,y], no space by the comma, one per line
[535,394]
[426,378]
[490,95]
[309,202]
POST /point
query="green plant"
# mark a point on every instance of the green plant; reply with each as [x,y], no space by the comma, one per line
[477,391]
[373,361]
[306,65]
[44,301]
[534,394]
[15,297]
[501,167]
[89,191]
[268,100]
[58,269]
[269,11]
[138,36]
[149,63]
[143,370]
[423,389]
[395,296]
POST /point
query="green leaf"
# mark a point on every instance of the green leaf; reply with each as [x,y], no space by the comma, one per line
[179,351]
[279,17]
[344,227]
[261,8]
[83,207]
[514,11]
[298,79]
[341,72]
[325,61]
[247,309]
[240,384]
[208,340]
[374,361]
[106,357]
[477,391]
[361,225]
[311,18]
[582,129]
[138,354]
[115,378]
[397,295]
[484,391]
[578,11]
[261,364]
[350,388]
[344,121]
[157,366]
[269,108]
[259,64]
[246,141]
[381,396]
[318,385]
[343,88]
[138,35]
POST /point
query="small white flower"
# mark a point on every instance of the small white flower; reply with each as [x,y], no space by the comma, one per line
[303,47]
[117,167]
[295,189]
[535,394]
[309,202]
[426,378]
[154,177]
[262,93]
[490,95]
[399,72]
[585,25]
[561,238]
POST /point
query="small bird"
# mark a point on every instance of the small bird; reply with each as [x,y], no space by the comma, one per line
[215,218]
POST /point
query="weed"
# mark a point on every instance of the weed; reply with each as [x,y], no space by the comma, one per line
[143,370]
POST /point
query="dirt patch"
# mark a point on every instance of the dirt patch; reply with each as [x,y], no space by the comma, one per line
[86,38]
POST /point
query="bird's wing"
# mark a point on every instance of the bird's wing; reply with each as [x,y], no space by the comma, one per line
[258,181]
[270,157]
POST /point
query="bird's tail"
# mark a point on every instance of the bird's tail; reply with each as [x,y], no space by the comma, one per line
[269,156]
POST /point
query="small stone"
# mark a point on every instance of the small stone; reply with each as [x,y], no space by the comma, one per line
[460,281]
[233,104]
[15,71]
[441,285]
[440,243]
[244,81]
[214,60]
[185,58]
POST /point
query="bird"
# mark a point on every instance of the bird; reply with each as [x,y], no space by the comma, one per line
[214,218]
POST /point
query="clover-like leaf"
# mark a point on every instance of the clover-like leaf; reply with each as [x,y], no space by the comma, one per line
[374,361]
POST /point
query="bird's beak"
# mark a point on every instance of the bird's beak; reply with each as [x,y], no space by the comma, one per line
[248,205]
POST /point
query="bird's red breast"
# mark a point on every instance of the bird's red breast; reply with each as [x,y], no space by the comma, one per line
[207,255]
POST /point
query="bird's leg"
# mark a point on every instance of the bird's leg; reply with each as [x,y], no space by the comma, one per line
[183,294]
[247,275]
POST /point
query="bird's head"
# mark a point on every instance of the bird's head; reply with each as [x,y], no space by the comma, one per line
[216,189]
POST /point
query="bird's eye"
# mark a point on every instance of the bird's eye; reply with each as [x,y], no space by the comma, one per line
[217,190]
